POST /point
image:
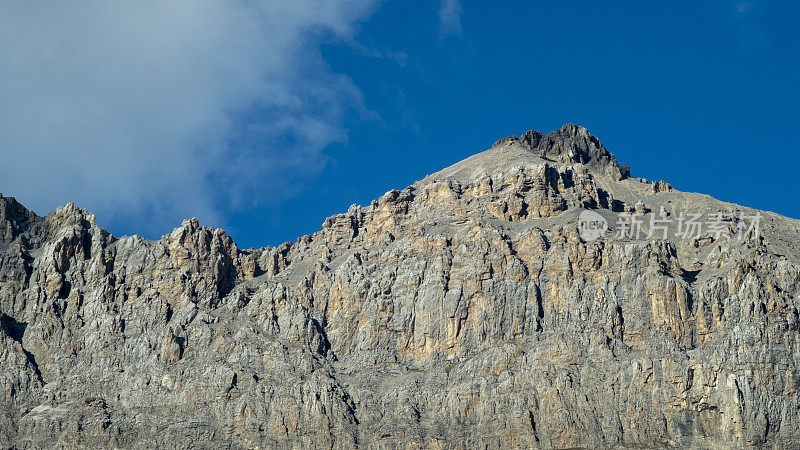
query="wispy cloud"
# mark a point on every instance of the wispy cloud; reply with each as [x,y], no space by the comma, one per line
[746,21]
[399,57]
[148,107]
[450,17]
[743,7]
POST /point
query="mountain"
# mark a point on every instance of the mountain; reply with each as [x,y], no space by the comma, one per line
[532,295]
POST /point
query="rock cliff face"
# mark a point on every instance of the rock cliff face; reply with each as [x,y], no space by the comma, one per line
[463,311]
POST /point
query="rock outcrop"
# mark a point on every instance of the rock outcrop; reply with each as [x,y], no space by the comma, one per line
[463,311]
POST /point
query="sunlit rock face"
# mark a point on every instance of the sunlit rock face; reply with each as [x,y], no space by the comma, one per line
[466,310]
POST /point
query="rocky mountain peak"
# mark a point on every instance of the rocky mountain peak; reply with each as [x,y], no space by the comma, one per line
[466,310]
[14,218]
[569,144]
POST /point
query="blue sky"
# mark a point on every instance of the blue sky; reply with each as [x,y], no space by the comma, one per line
[266,126]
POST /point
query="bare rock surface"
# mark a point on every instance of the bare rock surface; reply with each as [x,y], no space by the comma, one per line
[464,311]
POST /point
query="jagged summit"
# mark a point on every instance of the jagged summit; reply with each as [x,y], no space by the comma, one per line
[466,310]
[569,144]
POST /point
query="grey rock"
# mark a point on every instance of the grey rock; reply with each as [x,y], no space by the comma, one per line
[462,311]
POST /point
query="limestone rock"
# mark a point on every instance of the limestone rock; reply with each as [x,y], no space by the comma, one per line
[462,311]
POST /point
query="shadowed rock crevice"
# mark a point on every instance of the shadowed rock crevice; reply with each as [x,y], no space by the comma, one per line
[16,331]
[13,329]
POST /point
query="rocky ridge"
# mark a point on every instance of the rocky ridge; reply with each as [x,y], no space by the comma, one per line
[462,311]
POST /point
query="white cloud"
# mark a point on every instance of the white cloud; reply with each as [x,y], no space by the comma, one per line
[450,17]
[132,108]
